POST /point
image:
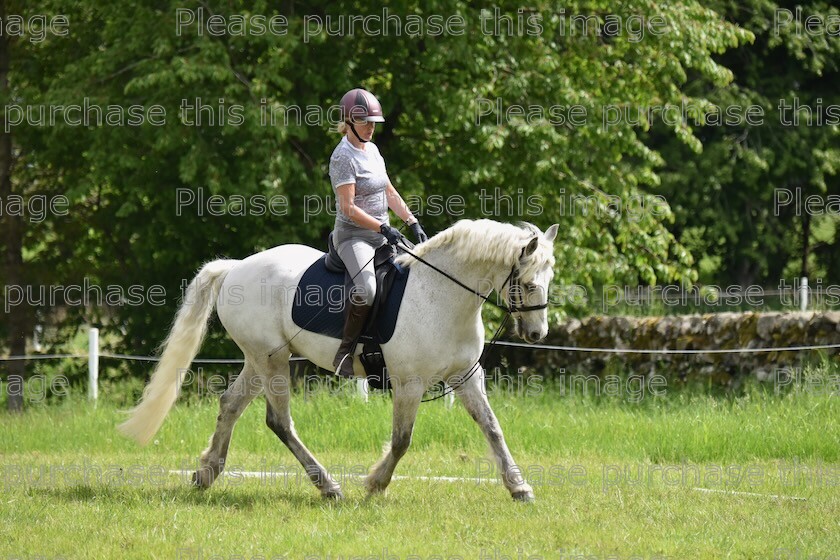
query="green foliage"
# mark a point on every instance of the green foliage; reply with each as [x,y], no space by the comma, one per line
[729,199]
[445,136]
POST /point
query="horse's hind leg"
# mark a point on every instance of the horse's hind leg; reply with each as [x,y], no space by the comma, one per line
[232,403]
[278,417]
[407,396]
[475,401]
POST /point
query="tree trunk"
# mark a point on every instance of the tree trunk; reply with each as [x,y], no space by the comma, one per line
[11,229]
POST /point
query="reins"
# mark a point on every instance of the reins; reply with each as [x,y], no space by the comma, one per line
[510,278]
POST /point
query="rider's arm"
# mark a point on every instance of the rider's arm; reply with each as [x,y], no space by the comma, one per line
[398,205]
[346,203]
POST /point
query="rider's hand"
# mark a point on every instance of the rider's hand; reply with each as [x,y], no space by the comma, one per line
[418,232]
[392,234]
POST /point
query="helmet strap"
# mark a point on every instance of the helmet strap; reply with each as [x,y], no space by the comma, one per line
[356,134]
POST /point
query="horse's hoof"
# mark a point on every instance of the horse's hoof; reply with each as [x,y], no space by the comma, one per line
[202,482]
[335,494]
[525,496]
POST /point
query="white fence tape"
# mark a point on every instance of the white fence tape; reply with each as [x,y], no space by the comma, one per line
[94,355]
[499,343]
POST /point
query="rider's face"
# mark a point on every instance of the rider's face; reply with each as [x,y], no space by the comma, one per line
[364,129]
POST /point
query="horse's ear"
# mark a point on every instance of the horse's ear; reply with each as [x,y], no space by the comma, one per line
[551,233]
[531,246]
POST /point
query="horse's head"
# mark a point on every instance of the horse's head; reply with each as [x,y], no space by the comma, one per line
[529,283]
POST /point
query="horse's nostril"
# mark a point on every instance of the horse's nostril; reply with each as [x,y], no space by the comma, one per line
[535,335]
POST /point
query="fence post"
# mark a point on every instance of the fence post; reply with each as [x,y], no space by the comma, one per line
[450,395]
[362,388]
[93,364]
[803,293]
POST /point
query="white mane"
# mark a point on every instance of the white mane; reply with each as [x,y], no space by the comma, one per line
[486,241]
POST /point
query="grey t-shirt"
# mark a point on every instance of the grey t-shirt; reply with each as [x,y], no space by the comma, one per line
[366,169]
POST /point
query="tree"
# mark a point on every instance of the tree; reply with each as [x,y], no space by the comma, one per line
[481,114]
[736,202]
[12,241]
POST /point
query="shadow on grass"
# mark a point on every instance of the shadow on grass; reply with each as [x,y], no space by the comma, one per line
[219,498]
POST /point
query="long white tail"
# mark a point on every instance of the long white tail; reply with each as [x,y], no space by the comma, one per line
[179,349]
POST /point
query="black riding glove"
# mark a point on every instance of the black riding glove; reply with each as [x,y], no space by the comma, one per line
[418,232]
[392,234]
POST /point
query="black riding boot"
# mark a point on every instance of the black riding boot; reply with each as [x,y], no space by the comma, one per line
[353,325]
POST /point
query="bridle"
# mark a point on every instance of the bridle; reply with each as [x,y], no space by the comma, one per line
[516,288]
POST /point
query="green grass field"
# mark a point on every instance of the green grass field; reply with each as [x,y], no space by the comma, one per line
[686,475]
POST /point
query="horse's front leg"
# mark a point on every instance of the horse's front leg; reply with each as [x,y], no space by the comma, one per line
[471,392]
[406,397]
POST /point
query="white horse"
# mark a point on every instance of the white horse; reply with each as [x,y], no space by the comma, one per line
[439,336]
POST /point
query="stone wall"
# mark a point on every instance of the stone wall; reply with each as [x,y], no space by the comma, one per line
[687,332]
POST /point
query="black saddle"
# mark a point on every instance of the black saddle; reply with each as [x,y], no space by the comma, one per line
[313,312]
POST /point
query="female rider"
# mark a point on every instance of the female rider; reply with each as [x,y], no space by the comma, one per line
[364,194]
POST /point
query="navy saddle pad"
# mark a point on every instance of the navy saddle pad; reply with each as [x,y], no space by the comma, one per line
[322,294]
